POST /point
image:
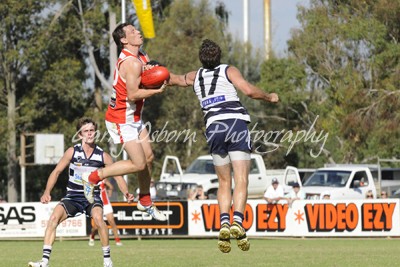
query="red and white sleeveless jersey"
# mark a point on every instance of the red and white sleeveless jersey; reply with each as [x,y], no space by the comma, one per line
[120,109]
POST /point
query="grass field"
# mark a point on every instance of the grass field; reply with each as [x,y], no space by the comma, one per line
[204,252]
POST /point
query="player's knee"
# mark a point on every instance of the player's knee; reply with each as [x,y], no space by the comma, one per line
[53,221]
[241,182]
[138,165]
[98,221]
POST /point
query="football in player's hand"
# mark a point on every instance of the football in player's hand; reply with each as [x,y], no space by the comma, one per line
[154,77]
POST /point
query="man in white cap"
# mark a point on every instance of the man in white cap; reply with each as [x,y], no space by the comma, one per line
[274,192]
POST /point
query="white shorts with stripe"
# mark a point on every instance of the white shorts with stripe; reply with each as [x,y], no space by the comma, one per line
[107,209]
[124,132]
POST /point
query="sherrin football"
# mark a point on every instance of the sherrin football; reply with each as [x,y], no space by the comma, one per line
[154,77]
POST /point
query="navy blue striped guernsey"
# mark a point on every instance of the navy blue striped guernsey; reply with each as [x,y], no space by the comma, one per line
[217,95]
[79,164]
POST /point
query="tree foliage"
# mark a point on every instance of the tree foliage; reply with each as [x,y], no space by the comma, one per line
[350,52]
[44,65]
[20,27]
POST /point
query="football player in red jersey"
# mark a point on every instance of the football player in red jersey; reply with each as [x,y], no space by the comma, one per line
[124,119]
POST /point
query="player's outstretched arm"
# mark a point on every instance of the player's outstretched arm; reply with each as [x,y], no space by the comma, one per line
[249,89]
[182,80]
[53,177]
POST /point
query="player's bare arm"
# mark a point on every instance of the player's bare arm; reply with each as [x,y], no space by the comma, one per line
[53,177]
[131,70]
[247,88]
[182,80]
[122,185]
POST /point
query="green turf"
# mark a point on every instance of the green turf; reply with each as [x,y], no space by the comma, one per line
[204,252]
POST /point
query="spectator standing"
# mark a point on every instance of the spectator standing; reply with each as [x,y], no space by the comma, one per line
[295,194]
[274,192]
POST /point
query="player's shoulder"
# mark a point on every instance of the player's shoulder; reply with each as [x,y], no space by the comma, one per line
[72,148]
[231,69]
[107,158]
[132,62]
[233,73]
[69,152]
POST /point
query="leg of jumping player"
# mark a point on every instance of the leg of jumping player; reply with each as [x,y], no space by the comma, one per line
[145,203]
[241,167]
[223,169]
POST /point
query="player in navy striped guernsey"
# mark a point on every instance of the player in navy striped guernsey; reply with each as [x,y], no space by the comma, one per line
[83,157]
[227,133]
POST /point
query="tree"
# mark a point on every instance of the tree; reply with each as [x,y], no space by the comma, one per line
[20,28]
[350,52]
[44,56]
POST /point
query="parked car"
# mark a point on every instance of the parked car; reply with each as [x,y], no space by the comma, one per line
[340,182]
[174,182]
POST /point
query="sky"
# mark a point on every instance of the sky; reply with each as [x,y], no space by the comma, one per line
[283,18]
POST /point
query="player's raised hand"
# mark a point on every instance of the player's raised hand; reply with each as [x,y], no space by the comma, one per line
[273,97]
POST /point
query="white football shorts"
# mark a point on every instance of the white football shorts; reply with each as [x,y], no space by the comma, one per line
[107,209]
[124,132]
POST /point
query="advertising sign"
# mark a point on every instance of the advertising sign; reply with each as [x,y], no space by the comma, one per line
[30,219]
[304,218]
[135,222]
[201,218]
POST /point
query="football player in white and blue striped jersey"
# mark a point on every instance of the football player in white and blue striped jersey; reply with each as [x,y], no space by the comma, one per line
[83,157]
[227,133]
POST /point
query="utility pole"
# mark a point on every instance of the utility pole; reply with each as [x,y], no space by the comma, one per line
[246,21]
[267,28]
[246,34]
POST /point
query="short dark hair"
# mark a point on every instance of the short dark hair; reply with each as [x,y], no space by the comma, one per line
[210,54]
[119,33]
[83,121]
